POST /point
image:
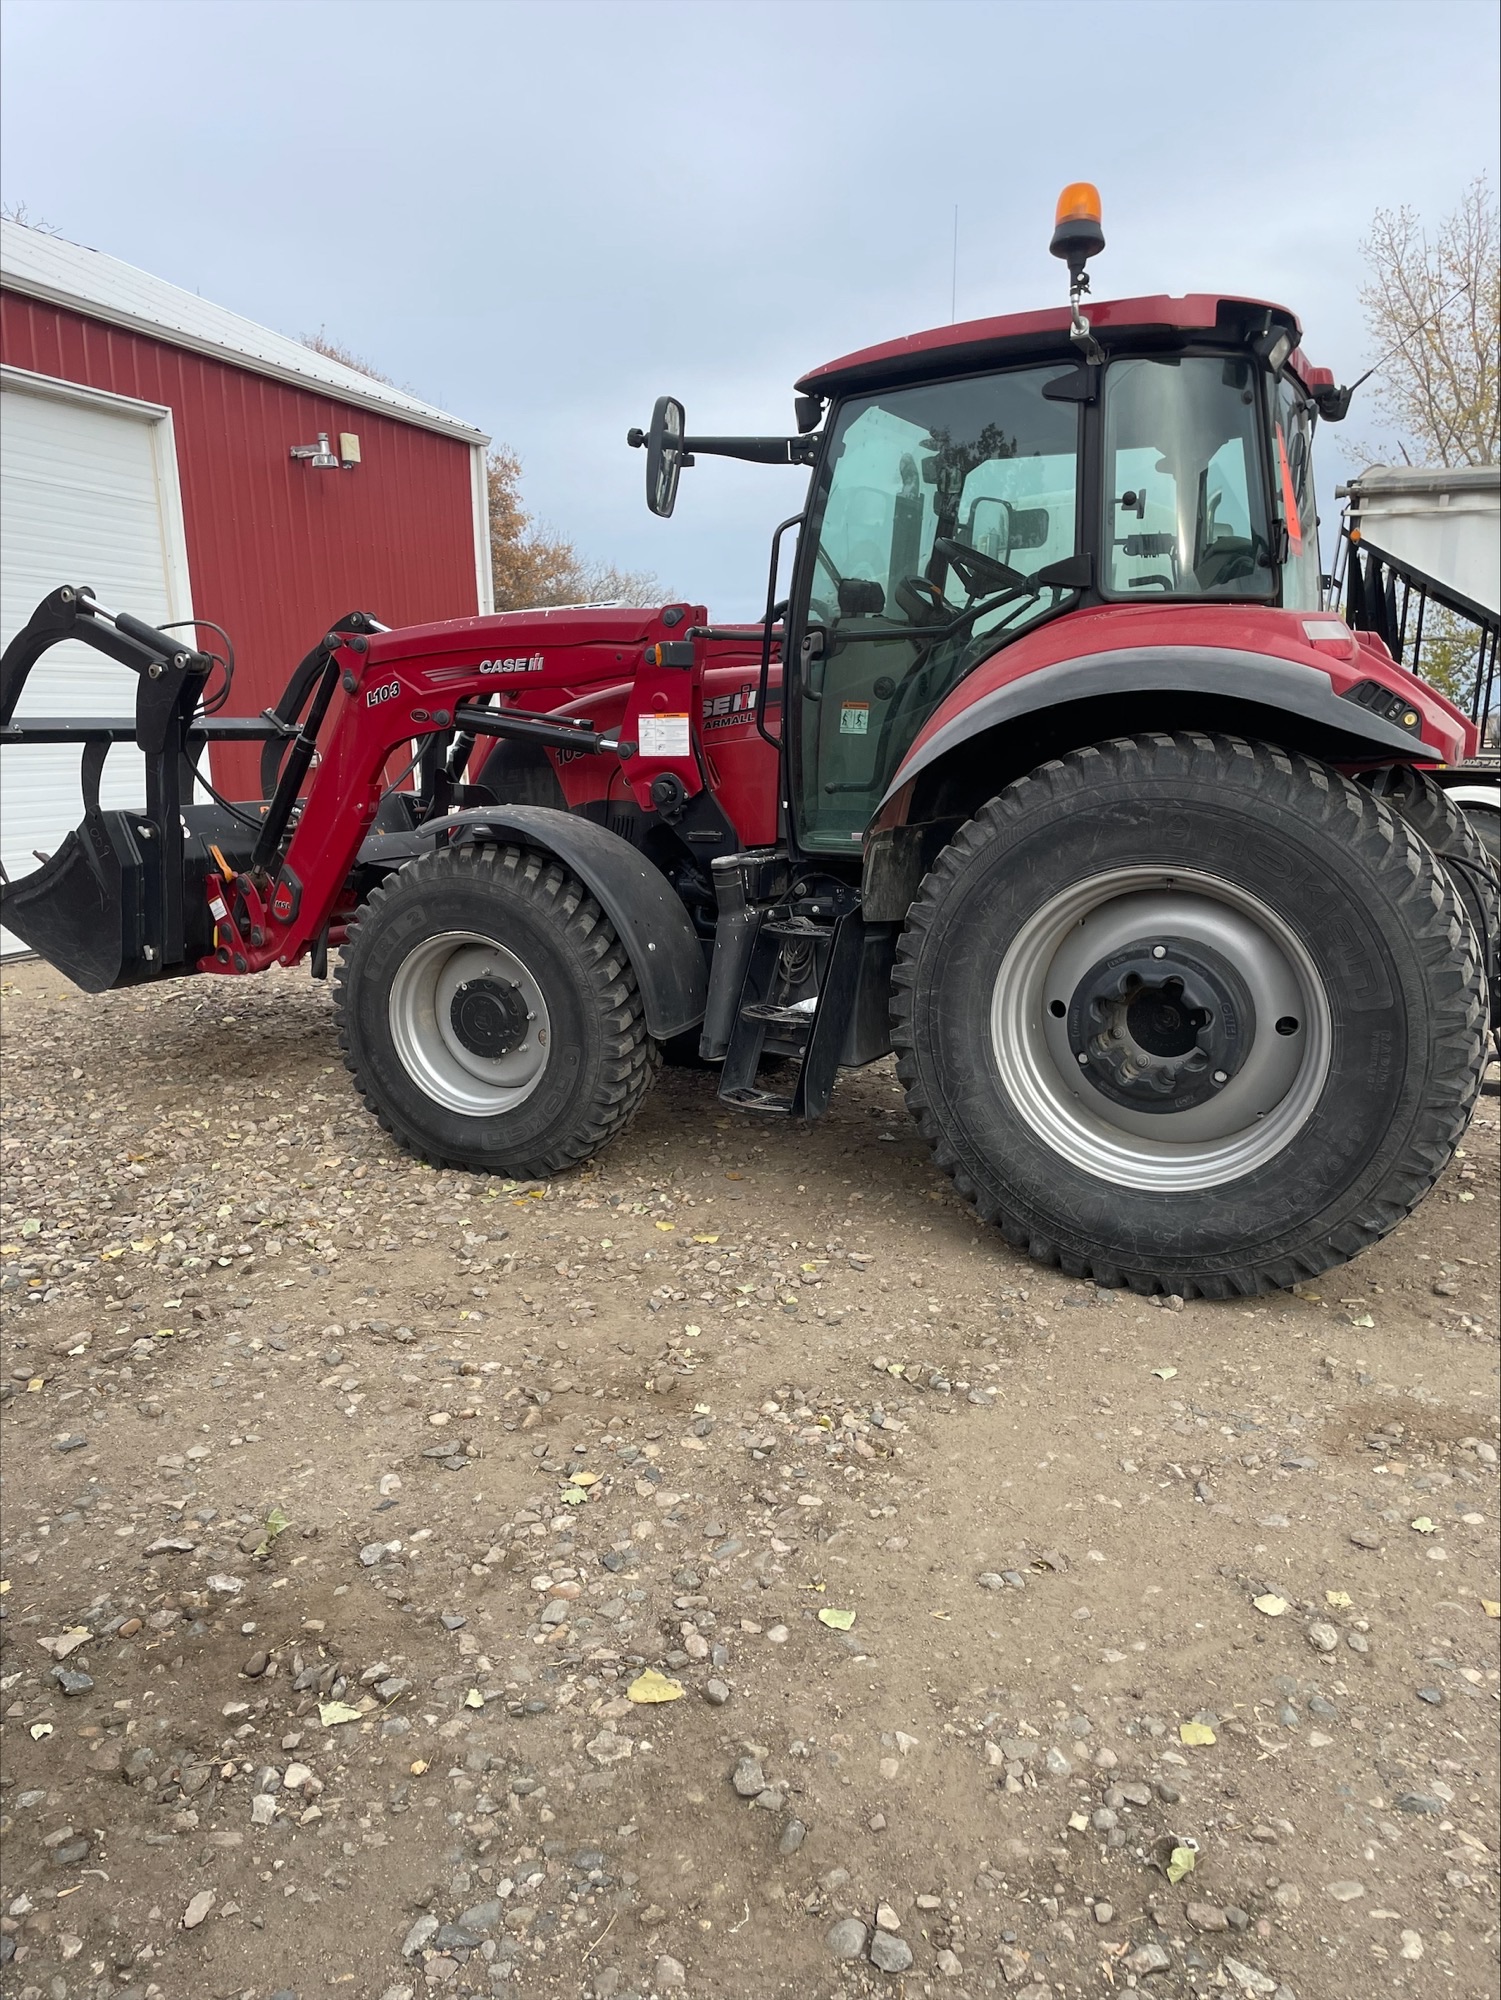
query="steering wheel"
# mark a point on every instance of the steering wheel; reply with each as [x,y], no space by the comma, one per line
[978,573]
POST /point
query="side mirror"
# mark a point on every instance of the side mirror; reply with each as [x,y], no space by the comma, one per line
[665,456]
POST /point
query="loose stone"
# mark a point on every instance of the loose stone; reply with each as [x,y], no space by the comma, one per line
[847,1938]
[748,1778]
[890,1954]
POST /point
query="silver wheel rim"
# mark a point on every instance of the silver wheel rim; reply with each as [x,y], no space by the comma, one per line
[1264,1104]
[427,1041]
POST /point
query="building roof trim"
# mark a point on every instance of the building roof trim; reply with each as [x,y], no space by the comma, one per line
[105,288]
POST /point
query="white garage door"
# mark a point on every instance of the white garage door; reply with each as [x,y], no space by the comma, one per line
[89,495]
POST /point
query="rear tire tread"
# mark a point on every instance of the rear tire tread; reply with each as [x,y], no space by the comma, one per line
[1437,922]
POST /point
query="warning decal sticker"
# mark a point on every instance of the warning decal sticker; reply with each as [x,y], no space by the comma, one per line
[663,736]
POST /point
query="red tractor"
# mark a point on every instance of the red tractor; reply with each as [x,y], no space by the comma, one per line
[1050,771]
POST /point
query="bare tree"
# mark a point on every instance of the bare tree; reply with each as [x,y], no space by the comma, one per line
[322,342]
[1433,307]
[533,568]
[17,211]
[529,566]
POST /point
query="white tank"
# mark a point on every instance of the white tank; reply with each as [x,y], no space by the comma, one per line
[1441,524]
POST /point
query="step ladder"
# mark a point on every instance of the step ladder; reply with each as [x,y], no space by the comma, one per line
[791,954]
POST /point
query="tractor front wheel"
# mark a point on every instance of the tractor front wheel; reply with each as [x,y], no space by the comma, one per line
[489,1014]
[1189,1014]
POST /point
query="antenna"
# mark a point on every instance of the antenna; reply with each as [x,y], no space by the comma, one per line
[954,272]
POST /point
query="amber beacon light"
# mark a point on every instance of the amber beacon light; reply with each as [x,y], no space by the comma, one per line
[1077,231]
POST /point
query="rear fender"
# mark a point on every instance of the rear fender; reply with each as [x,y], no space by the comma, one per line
[665,951]
[1356,734]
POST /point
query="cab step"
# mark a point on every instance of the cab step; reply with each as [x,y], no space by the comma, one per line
[749,1098]
[799,1018]
[815,1024]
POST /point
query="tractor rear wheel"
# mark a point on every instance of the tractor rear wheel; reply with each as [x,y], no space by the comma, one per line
[489,1014]
[1459,844]
[1189,1014]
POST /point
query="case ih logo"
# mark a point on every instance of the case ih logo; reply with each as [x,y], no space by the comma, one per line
[388,692]
[522,663]
[724,710]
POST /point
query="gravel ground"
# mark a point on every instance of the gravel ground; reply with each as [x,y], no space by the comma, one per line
[1017,1638]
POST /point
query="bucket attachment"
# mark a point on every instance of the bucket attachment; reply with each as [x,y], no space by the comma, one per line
[86,909]
[81,909]
[126,897]
[123,897]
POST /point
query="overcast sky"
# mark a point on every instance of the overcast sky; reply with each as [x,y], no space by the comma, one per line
[541,215]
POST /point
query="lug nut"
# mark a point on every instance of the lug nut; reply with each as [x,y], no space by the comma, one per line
[1221,1076]
[1159,951]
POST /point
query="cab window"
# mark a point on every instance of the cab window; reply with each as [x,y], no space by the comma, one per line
[1185,511]
[1292,463]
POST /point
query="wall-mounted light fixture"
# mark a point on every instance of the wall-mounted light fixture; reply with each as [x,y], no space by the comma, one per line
[318,455]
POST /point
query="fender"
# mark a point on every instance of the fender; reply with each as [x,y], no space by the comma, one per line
[666,954]
[1224,672]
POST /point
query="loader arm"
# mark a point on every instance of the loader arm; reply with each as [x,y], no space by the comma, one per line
[376,696]
[179,887]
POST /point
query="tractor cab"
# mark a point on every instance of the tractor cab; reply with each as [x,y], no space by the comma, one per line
[972,483]
[952,515]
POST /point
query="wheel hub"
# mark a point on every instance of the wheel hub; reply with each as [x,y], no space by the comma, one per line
[489,1016]
[470,1023]
[1160,1024]
[1276,1063]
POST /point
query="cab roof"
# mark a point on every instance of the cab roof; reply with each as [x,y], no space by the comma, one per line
[1153,323]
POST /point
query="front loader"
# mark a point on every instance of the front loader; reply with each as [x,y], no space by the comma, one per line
[1047,769]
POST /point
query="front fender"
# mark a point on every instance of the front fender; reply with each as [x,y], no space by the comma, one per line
[650,921]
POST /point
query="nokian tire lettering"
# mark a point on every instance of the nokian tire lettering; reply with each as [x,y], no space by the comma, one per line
[1379,918]
[602,1060]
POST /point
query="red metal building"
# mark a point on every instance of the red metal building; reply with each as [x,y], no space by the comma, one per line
[150,443]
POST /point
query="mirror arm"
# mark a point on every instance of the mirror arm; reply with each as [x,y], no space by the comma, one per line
[758,450]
